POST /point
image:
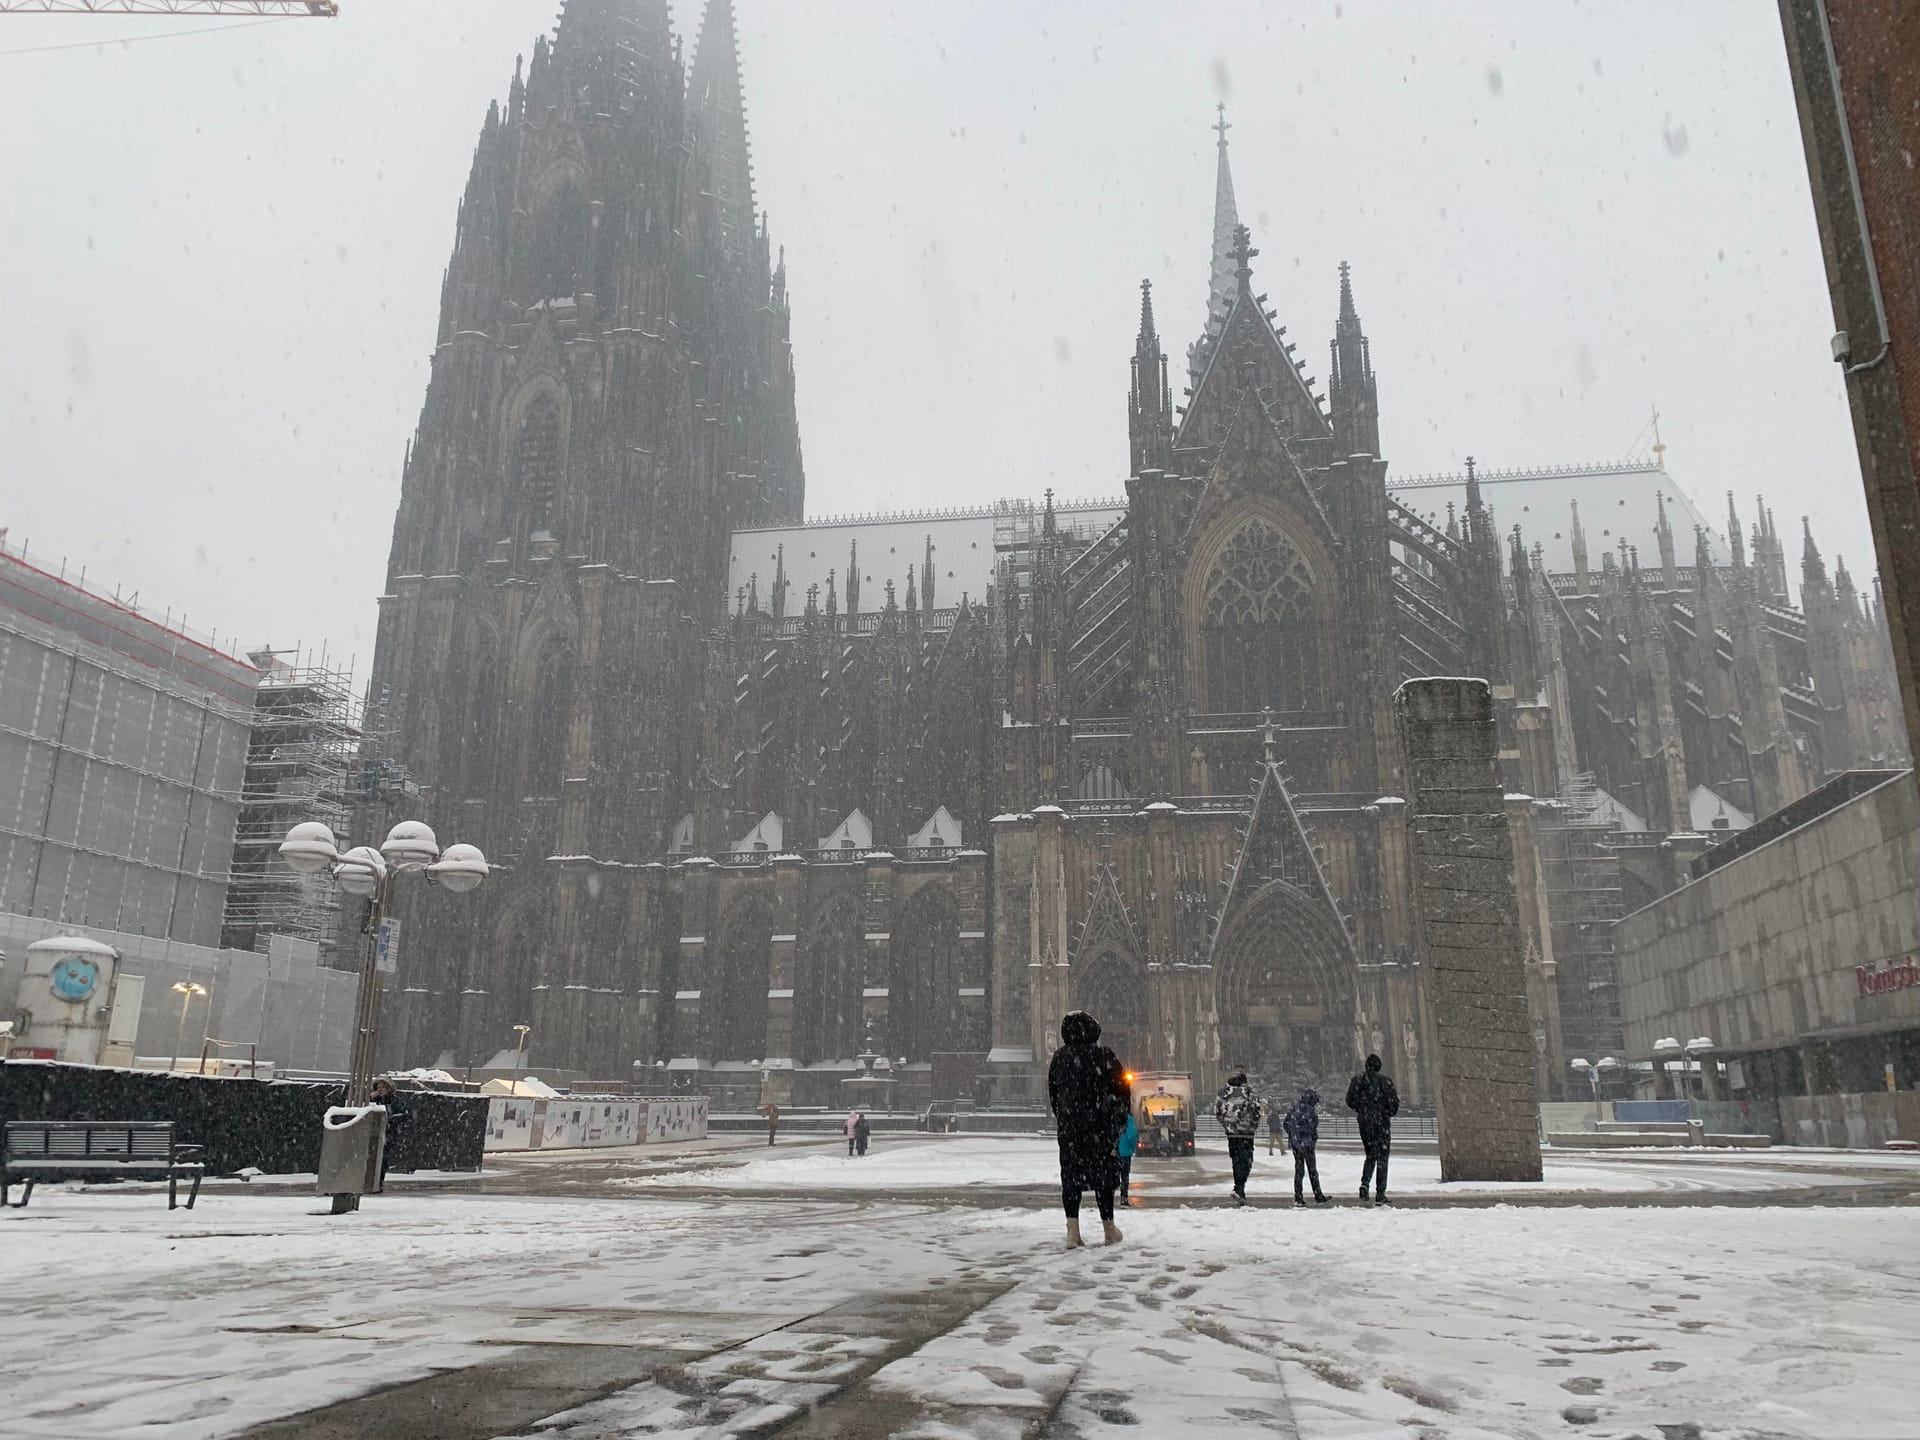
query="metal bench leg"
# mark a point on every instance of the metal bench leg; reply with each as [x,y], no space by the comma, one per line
[173,1190]
[194,1193]
[26,1194]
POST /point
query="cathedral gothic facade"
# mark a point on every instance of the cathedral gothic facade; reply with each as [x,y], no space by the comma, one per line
[767,795]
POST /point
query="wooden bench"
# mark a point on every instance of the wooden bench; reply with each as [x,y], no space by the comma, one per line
[89,1149]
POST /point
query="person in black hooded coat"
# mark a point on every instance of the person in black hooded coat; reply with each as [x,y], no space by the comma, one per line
[1374,1102]
[1087,1089]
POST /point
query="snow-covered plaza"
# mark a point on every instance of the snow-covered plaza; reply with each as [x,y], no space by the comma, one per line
[924,1292]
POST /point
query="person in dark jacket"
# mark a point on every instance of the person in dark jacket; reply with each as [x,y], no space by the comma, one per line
[1238,1110]
[861,1130]
[384,1093]
[1374,1103]
[1302,1124]
[1087,1090]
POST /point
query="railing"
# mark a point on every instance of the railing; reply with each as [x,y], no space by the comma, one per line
[1103,727]
[1230,722]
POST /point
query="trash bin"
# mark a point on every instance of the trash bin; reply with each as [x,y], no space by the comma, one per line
[352,1139]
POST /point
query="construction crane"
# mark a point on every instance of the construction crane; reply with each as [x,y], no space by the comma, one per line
[316,9]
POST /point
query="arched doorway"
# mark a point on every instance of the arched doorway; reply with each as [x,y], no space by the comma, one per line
[1113,989]
[1283,988]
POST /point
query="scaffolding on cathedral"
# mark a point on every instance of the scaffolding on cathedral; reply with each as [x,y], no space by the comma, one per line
[300,757]
[1581,869]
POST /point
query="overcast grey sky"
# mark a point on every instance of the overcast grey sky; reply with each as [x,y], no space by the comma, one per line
[223,253]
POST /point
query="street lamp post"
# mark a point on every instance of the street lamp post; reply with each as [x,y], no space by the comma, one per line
[1664,1049]
[186,990]
[1591,1069]
[1700,1047]
[519,1053]
[410,848]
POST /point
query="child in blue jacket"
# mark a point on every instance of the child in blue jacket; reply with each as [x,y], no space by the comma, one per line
[1128,1142]
[1303,1133]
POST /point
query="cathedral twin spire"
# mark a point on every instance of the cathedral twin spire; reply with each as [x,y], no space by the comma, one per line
[715,93]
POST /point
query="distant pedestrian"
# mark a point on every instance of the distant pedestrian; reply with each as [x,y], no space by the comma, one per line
[853,1125]
[1276,1130]
[1238,1110]
[1374,1103]
[861,1129]
[385,1094]
[1128,1143]
[772,1112]
[1087,1089]
[1302,1124]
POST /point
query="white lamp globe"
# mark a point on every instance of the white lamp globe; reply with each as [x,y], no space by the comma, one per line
[411,842]
[309,848]
[360,871]
[460,868]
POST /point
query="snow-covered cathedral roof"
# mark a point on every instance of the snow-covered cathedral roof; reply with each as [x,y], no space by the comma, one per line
[964,542]
[1616,502]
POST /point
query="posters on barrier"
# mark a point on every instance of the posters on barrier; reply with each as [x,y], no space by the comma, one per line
[510,1123]
[565,1123]
[582,1124]
[676,1120]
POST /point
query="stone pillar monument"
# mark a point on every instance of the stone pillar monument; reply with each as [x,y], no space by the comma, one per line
[1476,982]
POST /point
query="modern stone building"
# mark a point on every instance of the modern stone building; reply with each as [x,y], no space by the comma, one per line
[1792,948]
[767,792]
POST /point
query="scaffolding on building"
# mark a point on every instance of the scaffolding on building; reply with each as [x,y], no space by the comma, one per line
[301,757]
[1581,871]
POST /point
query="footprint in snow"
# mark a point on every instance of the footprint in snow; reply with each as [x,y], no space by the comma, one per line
[1005,1379]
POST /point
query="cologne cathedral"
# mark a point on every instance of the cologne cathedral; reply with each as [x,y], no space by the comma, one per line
[774,802]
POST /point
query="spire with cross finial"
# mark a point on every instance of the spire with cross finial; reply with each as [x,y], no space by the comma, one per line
[1149,401]
[1813,570]
[1242,255]
[1476,507]
[1352,395]
[1220,282]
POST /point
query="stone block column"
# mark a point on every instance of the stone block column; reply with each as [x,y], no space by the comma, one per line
[1475,975]
[1047,987]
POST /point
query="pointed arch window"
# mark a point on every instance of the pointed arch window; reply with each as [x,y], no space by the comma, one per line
[536,464]
[1259,626]
[565,233]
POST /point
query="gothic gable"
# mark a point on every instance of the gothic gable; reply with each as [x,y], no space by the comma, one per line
[1255,462]
[1249,357]
[1276,854]
[1108,924]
